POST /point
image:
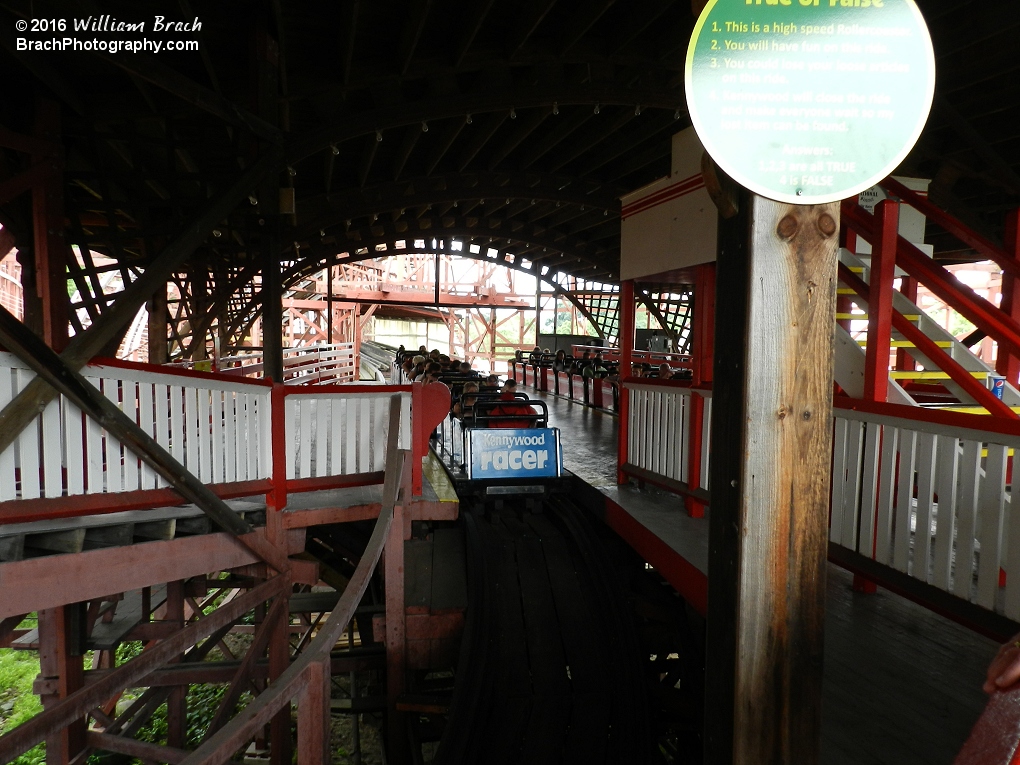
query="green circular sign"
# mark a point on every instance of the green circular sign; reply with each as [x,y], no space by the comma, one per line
[809,101]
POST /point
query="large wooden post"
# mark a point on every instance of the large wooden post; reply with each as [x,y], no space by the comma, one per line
[60,674]
[771,439]
[48,227]
[396,646]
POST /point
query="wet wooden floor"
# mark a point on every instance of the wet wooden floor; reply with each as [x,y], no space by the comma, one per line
[902,684]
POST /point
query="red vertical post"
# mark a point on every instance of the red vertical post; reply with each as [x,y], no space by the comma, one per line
[695,507]
[703,324]
[1006,364]
[313,716]
[908,288]
[281,742]
[626,355]
[48,227]
[276,500]
[883,272]
[393,565]
[176,704]
[60,662]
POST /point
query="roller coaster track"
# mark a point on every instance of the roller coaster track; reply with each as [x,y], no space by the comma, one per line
[550,668]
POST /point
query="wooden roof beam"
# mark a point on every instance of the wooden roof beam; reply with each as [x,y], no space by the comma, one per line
[594,138]
[481,137]
[348,30]
[528,126]
[528,20]
[582,21]
[479,10]
[172,81]
[414,25]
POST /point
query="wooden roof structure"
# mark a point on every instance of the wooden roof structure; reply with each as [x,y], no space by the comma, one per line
[512,126]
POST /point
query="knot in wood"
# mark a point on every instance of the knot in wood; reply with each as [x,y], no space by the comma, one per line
[806,415]
[826,224]
[781,414]
[787,227]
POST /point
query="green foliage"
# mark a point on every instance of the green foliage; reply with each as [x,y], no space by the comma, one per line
[18,669]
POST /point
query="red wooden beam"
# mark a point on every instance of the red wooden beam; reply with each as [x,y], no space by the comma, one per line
[880,310]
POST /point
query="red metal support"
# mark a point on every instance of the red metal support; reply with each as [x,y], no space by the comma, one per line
[626,355]
[1008,364]
[883,272]
[696,422]
[51,251]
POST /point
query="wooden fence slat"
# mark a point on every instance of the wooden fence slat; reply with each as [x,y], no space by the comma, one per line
[351,433]
[161,404]
[839,460]
[852,488]
[323,411]
[147,422]
[8,486]
[129,405]
[74,439]
[869,489]
[969,480]
[926,453]
[290,406]
[216,411]
[52,450]
[94,451]
[904,497]
[263,424]
[28,448]
[205,453]
[336,434]
[364,434]
[305,446]
[886,493]
[230,436]
[191,431]
[945,522]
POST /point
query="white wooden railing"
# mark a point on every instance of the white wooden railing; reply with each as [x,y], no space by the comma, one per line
[218,429]
[930,498]
[333,432]
[662,429]
[221,428]
[324,363]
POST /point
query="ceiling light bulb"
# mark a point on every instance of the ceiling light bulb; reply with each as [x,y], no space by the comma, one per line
[334,149]
[513,113]
[556,107]
[598,108]
[424,126]
[469,120]
[378,136]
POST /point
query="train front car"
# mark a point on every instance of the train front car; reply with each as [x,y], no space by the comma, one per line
[499,444]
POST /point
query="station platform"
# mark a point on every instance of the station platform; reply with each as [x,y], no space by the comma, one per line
[902,684]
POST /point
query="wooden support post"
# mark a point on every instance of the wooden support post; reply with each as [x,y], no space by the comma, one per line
[282,744]
[60,659]
[158,320]
[51,250]
[883,272]
[772,444]
[1007,364]
[908,288]
[627,322]
[396,649]
[177,701]
[313,716]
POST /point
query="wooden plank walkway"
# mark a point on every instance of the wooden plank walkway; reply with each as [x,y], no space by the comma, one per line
[902,684]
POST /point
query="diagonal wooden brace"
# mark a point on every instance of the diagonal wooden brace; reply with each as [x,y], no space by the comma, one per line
[21,341]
